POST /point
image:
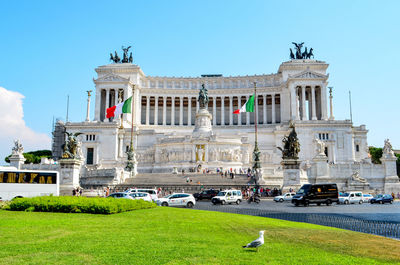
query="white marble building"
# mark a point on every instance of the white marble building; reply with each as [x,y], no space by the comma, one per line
[164,119]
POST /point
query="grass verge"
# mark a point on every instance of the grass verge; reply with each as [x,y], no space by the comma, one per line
[180,236]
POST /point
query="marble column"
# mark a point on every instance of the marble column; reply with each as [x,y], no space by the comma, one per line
[147,110]
[115,97]
[230,111]
[189,120]
[273,109]
[156,110]
[239,107]
[120,145]
[214,110]
[293,105]
[88,108]
[323,102]
[181,111]
[197,106]
[264,109]
[222,110]
[97,107]
[331,117]
[247,113]
[164,117]
[313,115]
[303,103]
[107,102]
[173,111]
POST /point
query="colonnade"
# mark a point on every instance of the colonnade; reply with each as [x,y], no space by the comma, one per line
[181,110]
[309,103]
[109,98]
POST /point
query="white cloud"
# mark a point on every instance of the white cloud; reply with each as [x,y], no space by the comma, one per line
[12,126]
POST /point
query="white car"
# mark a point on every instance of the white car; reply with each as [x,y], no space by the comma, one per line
[141,196]
[367,197]
[351,197]
[284,197]
[177,199]
[228,196]
[152,192]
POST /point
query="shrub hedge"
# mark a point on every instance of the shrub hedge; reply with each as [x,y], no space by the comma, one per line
[69,204]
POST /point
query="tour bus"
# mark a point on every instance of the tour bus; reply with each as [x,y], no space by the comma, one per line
[27,183]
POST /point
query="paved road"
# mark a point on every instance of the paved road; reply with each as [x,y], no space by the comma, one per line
[376,212]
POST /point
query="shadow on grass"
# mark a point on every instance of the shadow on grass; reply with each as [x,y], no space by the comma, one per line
[251,249]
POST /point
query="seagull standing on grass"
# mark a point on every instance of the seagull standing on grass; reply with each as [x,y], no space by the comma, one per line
[256,243]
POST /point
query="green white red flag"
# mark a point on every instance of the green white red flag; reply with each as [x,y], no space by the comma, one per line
[247,107]
[123,107]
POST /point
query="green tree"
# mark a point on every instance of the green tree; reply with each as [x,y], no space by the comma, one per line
[33,156]
[376,154]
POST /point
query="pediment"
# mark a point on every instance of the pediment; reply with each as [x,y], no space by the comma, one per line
[112,78]
[308,75]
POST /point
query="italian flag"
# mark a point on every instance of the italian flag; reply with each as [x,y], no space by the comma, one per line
[247,107]
[123,107]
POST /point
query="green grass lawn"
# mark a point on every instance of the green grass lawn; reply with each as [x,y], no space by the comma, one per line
[180,236]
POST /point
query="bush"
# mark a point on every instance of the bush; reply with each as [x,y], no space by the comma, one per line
[69,204]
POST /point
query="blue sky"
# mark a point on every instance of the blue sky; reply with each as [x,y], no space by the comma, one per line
[49,50]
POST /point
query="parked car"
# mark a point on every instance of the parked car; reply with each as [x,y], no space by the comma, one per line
[177,199]
[152,192]
[381,199]
[284,197]
[367,197]
[351,197]
[120,195]
[228,196]
[205,194]
[316,193]
[141,196]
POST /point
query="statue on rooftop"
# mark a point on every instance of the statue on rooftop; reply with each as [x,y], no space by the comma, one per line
[17,149]
[125,59]
[388,150]
[299,54]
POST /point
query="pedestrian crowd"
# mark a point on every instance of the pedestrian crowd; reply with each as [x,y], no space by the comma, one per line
[77,191]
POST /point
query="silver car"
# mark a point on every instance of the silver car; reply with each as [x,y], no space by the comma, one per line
[177,199]
[284,197]
[120,195]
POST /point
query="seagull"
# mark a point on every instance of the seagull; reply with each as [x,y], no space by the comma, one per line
[256,243]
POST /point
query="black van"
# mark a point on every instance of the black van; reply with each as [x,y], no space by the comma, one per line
[316,193]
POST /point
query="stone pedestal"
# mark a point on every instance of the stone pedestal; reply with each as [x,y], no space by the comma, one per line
[320,168]
[69,175]
[293,177]
[202,126]
[392,183]
[16,160]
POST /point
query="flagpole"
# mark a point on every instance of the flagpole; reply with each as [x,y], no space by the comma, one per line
[131,163]
[256,152]
[133,91]
[255,111]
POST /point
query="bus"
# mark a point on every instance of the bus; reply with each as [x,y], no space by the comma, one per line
[16,183]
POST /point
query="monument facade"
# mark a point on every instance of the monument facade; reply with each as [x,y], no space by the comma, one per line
[176,127]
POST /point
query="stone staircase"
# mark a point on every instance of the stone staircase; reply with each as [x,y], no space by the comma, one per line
[156,179]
